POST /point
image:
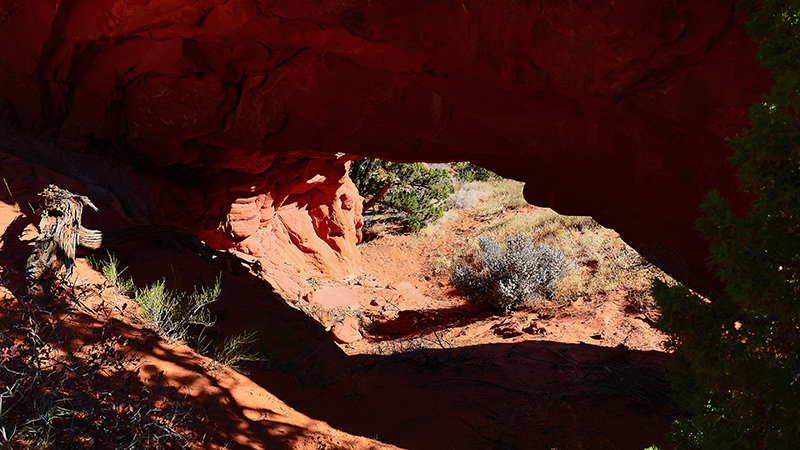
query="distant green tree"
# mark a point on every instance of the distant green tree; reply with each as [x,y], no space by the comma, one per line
[736,361]
[469,171]
[417,191]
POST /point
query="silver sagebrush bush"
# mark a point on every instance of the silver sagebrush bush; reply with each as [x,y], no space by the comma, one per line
[509,277]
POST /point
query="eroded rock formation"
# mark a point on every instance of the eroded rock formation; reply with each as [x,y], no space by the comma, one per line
[229,114]
[305,214]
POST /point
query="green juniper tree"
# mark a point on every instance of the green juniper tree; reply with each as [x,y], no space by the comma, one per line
[415,190]
[736,361]
[468,171]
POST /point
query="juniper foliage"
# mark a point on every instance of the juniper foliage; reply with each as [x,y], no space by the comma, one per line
[736,361]
[415,190]
[468,171]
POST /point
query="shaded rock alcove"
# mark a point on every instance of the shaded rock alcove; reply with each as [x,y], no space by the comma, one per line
[235,118]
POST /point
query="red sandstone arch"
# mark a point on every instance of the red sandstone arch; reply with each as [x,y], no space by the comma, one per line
[617,110]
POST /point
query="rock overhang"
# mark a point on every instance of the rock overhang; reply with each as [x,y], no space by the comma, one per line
[619,111]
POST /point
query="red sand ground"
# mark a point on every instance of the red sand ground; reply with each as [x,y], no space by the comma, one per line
[432,373]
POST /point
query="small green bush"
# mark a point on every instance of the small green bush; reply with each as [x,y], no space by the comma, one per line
[173,313]
[111,272]
[468,171]
[182,316]
[506,278]
[419,193]
[237,349]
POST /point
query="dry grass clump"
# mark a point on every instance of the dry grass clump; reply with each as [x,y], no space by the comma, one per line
[87,398]
[467,196]
[547,228]
[434,228]
[600,262]
[497,196]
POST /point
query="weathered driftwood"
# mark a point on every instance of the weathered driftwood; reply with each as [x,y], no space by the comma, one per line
[61,232]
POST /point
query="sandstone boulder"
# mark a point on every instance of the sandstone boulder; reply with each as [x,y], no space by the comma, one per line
[330,297]
[346,331]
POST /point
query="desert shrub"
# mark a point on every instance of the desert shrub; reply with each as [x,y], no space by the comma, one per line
[173,313]
[466,197]
[736,356]
[517,275]
[468,171]
[183,316]
[88,398]
[415,190]
[599,264]
[237,349]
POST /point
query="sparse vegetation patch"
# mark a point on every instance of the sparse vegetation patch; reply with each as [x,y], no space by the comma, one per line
[467,196]
[499,196]
[87,398]
[183,316]
[521,273]
[172,313]
[598,262]
[237,349]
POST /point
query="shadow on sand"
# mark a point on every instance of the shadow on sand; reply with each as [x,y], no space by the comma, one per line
[529,395]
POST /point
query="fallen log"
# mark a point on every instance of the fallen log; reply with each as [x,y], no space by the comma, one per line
[61,232]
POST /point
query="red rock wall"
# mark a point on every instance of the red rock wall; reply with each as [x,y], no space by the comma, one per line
[613,109]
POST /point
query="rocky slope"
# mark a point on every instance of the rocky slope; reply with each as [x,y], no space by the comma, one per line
[424,371]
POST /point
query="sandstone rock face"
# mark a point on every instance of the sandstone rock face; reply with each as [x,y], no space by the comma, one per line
[617,110]
[307,215]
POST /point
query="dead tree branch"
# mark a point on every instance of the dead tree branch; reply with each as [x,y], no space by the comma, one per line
[61,232]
